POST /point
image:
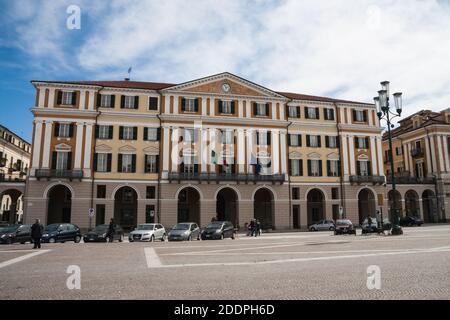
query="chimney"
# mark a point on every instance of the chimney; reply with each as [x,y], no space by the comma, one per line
[127,79]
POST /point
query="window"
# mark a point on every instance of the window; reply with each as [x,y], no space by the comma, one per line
[311,113]
[226,107]
[334,193]
[62,160]
[261,109]
[295,140]
[129,102]
[64,130]
[151,192]
[106,101]
[102,162]
[127,163]
[418,145]
[228,137]
[228,165]
[151,134]
[315,168]
[398,151]
[128,133]
[101,191]
[263,166]
[263,138]
[363,168]
[329,113]
[332,142]
[189,164]
[295,167]
[333,168]
[189,105]
[362,142]
[188,135]
[104,132]
[313,141]
[359,116]
[294,112]
[67,98]
[153,103]
[295,193]
[151,163]
[419,170]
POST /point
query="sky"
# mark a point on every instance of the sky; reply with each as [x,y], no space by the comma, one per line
[341,48]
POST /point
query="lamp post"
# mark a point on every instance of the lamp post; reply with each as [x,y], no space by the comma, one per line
[384,113]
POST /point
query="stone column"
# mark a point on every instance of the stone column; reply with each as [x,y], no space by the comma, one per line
[241,150]
[373,156]
[380,157]
[51,97]
[344,146]
[428,157]
[275,152]
[47,143]
[88,150]
[36,146]
[283,153]
[79,146]
[352,155]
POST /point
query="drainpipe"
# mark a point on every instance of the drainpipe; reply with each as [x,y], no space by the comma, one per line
[438,203]
[289,178]
[341,176]
[158,203]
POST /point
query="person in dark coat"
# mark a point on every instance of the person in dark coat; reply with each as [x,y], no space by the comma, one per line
[111,230]
[37,229]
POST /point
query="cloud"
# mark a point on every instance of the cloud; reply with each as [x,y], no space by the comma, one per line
[340,48]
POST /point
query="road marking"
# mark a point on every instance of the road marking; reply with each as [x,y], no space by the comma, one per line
[25,250]
[417,251]
[152,258]
[22,258]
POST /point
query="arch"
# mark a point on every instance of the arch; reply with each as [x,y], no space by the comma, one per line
[239,196]
[227,205]
[274,194]
[318,188]
[177,193]
[263,207]
[113,194]
[394,198]
[429,205]
[315,202]
[188,206]
[366,204]
[50,186]
[59,204]
[366,187]
[125,207]
[412,206]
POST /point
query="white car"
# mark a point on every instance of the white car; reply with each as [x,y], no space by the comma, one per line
[148,232]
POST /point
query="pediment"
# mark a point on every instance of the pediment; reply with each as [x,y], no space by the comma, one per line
[333,156]
[363,157]
[151,151]
[63,147]
[127,149]
[314,155]
[103,148]
[213,85]
[295,155]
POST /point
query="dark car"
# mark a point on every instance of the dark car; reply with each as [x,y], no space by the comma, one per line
[100,234]
[218,230]
[15,233]
[184,231]
[344,226]
[61,232]
[374,227]
[409,221]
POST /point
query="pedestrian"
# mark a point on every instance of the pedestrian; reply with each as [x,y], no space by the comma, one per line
[258,228]
[111,230]
[252,227]
[37,229]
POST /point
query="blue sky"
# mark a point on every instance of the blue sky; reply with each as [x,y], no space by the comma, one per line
[340,48]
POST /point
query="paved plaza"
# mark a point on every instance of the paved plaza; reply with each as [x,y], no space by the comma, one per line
[274,266]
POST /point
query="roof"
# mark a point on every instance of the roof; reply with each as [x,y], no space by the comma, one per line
[299,96]
[12,132]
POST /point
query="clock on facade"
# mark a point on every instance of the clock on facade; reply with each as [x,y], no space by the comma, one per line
[226,87]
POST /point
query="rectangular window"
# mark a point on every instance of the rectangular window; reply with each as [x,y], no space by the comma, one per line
[189,105]
[333,168]
[295,140]
[311,113]
[64,130]
[315,168]
[261,109]
[153,103]
[364,168]
[263,138]
[332,142]
[313,141]
[226,107]
[329,114]
[296,193]
[129,102]
[127,163]
[151,134]
[398,151]
[101,191]
[419,170]
[335,209]
[151,192]
[67,98]
[334,193]
[418,145]
[362,142]
[296,167]
[188,135]
[128,133]
[294,112]
[151,163]
[228,137]
[62,162]
[359,116]
[102,162]
[103,132]
[106,101]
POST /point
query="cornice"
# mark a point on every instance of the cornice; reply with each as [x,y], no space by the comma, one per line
[62,112]
[226,120]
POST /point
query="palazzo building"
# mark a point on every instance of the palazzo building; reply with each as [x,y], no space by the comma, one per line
[219,146]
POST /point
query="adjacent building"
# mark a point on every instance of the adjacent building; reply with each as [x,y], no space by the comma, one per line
[14,163]
[217,147]
[421,165]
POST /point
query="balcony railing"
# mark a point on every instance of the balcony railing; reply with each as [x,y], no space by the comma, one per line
[367,179]
[226,177]
[4,178]
[66,174]
[417,152]
[412,180]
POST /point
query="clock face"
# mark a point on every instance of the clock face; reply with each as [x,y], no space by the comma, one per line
[226,87]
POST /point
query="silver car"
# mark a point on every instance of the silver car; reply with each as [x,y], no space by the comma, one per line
[184,231]
[323,225]
[148,232]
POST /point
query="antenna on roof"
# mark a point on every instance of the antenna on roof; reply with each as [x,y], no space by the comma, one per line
[129,74]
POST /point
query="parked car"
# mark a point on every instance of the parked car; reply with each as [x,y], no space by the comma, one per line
[15,233]
[344,226]
[100,234]
[148,232]
[410,221]
[184,231]
[61,232]
[323,225]
[218,230]
[369,228]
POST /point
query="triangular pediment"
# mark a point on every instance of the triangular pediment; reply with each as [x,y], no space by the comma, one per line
[363,157]
[127,149]
[63,147]
[217,85]
[314,155]
[295,155]
[333,156]
[151,150]
[103,148]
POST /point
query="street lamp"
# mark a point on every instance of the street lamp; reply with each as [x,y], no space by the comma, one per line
[384,113]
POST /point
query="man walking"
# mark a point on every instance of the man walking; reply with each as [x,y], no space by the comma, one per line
[37,229]
[111,230]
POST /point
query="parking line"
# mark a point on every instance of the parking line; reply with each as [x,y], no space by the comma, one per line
[152,258]
[22,258]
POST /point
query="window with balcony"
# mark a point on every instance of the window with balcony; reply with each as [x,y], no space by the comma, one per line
[228,137]
[313,141]
[295,167]
[62,160]
[315,168]
[263,138]
[363,168]
[227,166]
[333,168]
[189,165]
[295,140]
[151,163]
[331,142]
[188,135]
[419,170]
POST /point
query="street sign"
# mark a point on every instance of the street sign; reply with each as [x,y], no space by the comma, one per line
[91,212]
[152,213]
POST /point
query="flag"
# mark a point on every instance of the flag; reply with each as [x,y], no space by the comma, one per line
[129,69]
[213,157]
[225,163]
[253,160]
